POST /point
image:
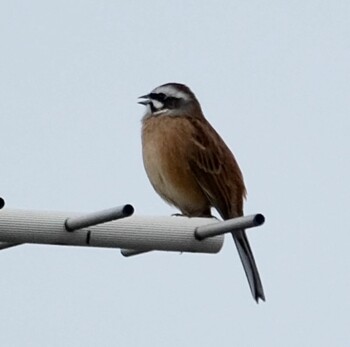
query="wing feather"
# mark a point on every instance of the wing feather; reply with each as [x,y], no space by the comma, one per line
[216,170]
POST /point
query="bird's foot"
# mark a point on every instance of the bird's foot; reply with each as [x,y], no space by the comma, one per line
[201,216]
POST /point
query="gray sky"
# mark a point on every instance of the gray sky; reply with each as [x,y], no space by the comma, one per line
[272,78]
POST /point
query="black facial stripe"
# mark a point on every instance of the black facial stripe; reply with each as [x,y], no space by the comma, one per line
[158,96]
[167,101]
[153,109]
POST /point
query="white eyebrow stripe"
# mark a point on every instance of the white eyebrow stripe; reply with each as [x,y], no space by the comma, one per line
[171,91]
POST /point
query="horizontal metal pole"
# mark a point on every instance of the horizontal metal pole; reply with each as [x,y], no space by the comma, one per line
[135,232]
[131,252]
[230,225]
[94,218]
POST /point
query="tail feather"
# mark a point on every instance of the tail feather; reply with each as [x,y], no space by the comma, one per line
[249,265]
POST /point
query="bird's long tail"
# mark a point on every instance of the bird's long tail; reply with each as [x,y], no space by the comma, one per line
[249,265]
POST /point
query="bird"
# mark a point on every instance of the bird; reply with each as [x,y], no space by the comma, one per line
[190,166]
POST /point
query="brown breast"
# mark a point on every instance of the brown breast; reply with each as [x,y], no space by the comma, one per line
[165,148]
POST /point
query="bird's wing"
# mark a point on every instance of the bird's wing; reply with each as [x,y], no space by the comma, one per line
[216,170]
[219,176]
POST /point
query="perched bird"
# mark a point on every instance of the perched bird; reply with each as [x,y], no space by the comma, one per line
[191,167]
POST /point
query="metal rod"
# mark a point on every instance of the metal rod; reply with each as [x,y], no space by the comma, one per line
[2,203]
[4,245]
[94,218]
[131,252]
[230,225]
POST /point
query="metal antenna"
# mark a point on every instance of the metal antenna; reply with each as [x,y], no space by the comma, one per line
[117,228]
[111,228]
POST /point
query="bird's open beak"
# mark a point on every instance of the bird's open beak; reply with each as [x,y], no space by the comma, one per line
[146,101]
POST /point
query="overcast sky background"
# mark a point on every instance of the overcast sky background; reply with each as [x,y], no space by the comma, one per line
[272,78]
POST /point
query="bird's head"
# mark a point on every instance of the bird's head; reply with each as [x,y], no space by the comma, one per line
[171,99]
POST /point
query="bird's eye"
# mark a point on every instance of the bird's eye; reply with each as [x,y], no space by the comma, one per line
[161,96]
[172,102]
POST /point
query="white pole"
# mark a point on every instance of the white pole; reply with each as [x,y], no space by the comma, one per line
[136,232]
